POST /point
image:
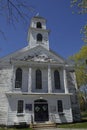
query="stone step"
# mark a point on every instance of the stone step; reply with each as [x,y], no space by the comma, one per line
[44,125]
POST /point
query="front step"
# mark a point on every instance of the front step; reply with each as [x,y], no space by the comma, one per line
[43,125]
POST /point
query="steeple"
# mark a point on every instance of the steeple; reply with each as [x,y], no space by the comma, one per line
[38,34]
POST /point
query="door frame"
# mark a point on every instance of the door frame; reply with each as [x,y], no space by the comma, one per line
[41,103]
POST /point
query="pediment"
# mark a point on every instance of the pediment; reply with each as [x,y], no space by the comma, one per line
[40,54]
[39,57]
[36,54]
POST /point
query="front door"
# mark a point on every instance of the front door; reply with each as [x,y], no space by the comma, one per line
[41,110]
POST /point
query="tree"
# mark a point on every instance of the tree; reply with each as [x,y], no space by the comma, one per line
[80,61]
[82,101]
[84,31]
[80,58]
[83,93]
[80,6]
[15,11]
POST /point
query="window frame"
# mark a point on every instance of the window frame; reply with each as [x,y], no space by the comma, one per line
[60,106]
[39,37]
[18,81]
[18,108]
[38,77]
[57,83]
[38,25]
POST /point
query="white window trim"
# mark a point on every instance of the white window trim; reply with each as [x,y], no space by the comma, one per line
[21,114]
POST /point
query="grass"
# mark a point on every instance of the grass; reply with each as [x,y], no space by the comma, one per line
[82,124]
[73,125]
[84,115]
[15,128]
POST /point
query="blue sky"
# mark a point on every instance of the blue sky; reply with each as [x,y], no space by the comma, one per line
[65,38]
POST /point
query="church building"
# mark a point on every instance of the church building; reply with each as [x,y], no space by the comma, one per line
[36,84]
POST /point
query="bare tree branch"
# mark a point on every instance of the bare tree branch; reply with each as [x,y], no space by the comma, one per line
[15,11]
[3,34]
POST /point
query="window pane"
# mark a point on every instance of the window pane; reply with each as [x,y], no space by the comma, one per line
[39,37]
[39,25]
[60,106]
[56,79]
[38,79]
[18,80]
[20,106]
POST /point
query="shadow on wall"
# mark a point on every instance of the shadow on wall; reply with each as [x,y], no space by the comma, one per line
[62,118]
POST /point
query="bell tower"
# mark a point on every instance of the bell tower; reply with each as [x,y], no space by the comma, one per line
[38,34]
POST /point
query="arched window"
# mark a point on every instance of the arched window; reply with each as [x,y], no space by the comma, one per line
[38,79]
[39,25]
[57,79]
[18,79]
[39,37]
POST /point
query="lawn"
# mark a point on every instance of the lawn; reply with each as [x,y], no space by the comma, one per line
[73,125]
[15,128]
[84,115]
[82,124]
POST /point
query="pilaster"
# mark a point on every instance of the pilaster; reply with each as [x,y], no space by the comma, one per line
[30,80]
[65,81]
[49,80]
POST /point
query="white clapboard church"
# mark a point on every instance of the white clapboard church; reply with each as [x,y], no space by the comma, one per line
[36,84]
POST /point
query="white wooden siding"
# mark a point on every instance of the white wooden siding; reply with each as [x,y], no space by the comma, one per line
[5,86]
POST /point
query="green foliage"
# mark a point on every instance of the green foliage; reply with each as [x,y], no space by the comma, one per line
[84,31]
[84,114]
[79,5]
[80,61]
[82,101]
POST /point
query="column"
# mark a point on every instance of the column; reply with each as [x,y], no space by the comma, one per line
[49,80]
[30,80]
[65,81]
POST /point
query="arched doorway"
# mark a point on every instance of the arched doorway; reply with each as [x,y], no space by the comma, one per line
[41,110]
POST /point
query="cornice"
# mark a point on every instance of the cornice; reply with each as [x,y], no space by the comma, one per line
[39,29]
[40,94]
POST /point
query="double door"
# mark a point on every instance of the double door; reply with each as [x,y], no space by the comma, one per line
[41,111]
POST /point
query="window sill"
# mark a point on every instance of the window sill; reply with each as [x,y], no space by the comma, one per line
[61,113]
[17,88]
[20,114]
